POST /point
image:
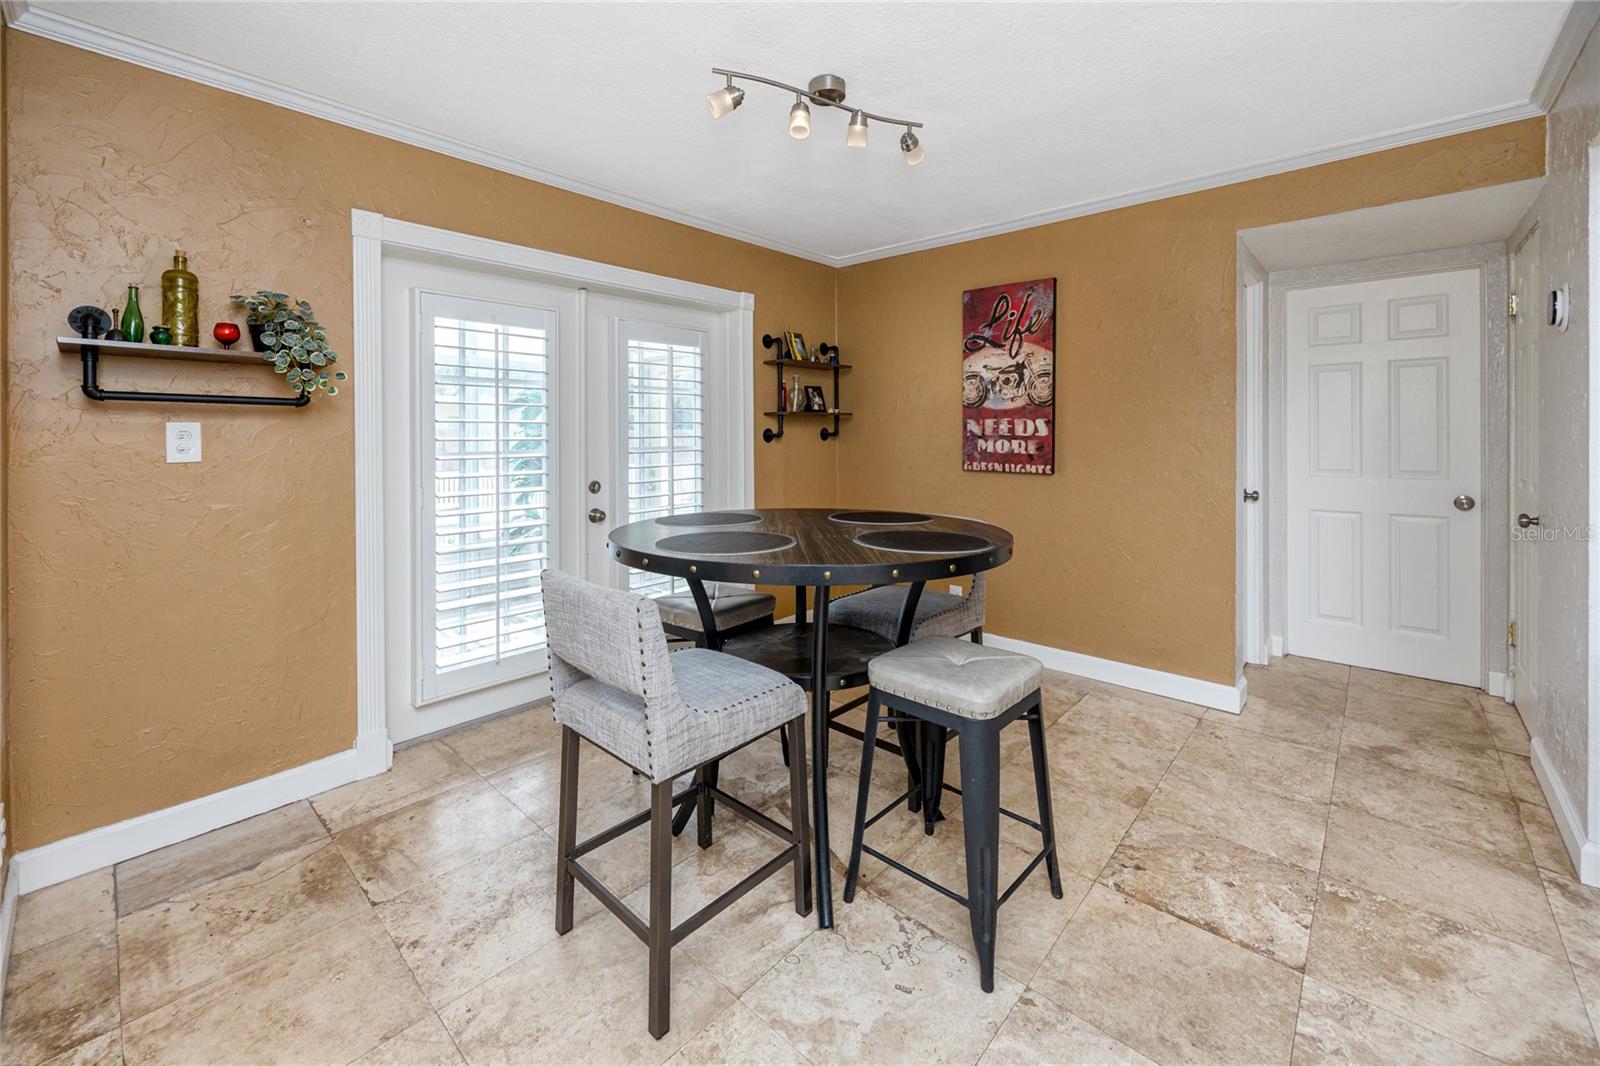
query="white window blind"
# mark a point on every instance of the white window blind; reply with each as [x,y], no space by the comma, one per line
[666,431]
[489,506]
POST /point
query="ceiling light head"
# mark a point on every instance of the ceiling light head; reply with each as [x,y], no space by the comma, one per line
[725,99]
[911,147]
[857,135]
[799,119]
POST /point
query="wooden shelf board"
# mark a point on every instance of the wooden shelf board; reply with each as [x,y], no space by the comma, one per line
[806,414]
[809,364]
[145,350]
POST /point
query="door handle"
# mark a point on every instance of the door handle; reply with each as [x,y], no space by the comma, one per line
[1251,495]
[1465,503]
[596,515]
[1525,520]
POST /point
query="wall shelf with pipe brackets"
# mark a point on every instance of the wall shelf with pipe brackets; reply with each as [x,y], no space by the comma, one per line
[91,349]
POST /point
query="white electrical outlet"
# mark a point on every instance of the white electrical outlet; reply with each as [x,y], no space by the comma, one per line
[955,590]
[183,442]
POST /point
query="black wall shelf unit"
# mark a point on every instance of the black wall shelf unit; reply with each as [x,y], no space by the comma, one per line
[91,349]
[783,363]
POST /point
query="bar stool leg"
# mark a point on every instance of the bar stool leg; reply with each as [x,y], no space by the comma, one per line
[909,733]
[980,797]
[660,942]
[1041,786]
[933,741]
[795,734]
[566,829]
[706,805]
[863,794]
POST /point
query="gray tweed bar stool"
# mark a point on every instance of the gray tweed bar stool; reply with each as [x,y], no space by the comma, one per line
[938,614]
[976,692]
[735,610]
[664,715]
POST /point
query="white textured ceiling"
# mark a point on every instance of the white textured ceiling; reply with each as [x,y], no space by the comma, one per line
[1033,111]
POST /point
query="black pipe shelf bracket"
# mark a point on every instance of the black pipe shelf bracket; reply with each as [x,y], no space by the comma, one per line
[782,362]
[91,349]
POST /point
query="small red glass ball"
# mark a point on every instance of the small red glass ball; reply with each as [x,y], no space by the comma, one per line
[226,333]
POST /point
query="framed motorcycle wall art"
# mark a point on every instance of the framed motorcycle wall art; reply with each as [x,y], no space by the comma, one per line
[1008,382]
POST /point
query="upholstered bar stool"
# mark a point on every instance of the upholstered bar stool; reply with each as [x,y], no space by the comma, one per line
[664,715]
[736,611]
[976,692]
[939,614]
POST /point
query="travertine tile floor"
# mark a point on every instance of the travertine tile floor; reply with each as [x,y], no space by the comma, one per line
[1360,868]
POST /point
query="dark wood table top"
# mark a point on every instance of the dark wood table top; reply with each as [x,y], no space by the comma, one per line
[811,546]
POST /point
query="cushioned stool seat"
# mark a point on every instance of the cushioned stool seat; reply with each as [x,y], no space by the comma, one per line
[971,680]
[929,689]
[939,614]
[731,609]
[725,702]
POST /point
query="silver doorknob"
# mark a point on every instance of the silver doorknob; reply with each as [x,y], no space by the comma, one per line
[1465,503]
[596,515]
[1251,495]
[1525,520]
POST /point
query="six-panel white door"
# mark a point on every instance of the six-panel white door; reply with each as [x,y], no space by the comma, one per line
[1385,539]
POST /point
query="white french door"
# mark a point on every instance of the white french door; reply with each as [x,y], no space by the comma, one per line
[1385,566]
[524,420]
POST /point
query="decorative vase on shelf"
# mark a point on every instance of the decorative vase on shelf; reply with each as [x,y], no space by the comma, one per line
[132,317]
[795,394]
[180,302]
[115,332]
[226,333]
[160,335]
[783,396]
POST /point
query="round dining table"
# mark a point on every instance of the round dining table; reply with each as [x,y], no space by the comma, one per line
[819,549]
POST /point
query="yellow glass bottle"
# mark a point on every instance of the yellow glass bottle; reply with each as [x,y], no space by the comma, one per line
[180,302]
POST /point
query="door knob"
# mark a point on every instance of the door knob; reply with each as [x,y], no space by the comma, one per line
[1525,520]
[596,515]
[1465,503]
[1251,495]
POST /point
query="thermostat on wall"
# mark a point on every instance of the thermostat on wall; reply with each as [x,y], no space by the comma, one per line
[1560,307]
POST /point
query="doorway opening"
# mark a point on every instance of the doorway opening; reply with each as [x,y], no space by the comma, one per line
[1381,371]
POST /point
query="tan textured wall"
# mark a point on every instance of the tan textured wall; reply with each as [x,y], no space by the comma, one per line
[1127,552]
[7,809]
[177,630]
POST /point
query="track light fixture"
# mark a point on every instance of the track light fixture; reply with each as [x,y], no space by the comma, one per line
[856,137]
[725,99]
[825,90]
[911,147]
[799,120]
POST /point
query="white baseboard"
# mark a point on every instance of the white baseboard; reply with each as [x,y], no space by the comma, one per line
[63,860]
[1585,853]
[1275,646]
[1497,685]
[1157,682]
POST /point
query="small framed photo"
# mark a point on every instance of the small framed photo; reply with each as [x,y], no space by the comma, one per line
[815,401]
[797,346]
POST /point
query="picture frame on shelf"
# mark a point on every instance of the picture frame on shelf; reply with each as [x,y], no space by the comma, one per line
[815,400]
[795,346]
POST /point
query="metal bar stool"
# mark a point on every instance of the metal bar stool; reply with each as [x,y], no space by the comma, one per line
[665,715]
[974,691]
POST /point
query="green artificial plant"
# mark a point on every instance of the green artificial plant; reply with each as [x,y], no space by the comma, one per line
[295,344]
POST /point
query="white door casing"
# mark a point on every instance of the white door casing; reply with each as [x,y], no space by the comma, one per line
[1525,329]
[1385,413]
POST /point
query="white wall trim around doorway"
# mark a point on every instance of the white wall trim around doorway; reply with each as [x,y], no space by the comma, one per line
[1179,687]
[371,234]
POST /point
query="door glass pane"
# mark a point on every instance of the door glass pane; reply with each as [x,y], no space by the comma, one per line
[666,436]
[490,489]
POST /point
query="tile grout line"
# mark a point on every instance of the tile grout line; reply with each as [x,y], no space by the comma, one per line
[1322,856]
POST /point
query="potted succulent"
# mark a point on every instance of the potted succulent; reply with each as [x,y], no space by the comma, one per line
[287,335]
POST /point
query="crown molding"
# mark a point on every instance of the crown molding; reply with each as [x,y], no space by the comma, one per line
[19,14]
[1581,19]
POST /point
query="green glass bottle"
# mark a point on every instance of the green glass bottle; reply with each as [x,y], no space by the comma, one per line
[132,318]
